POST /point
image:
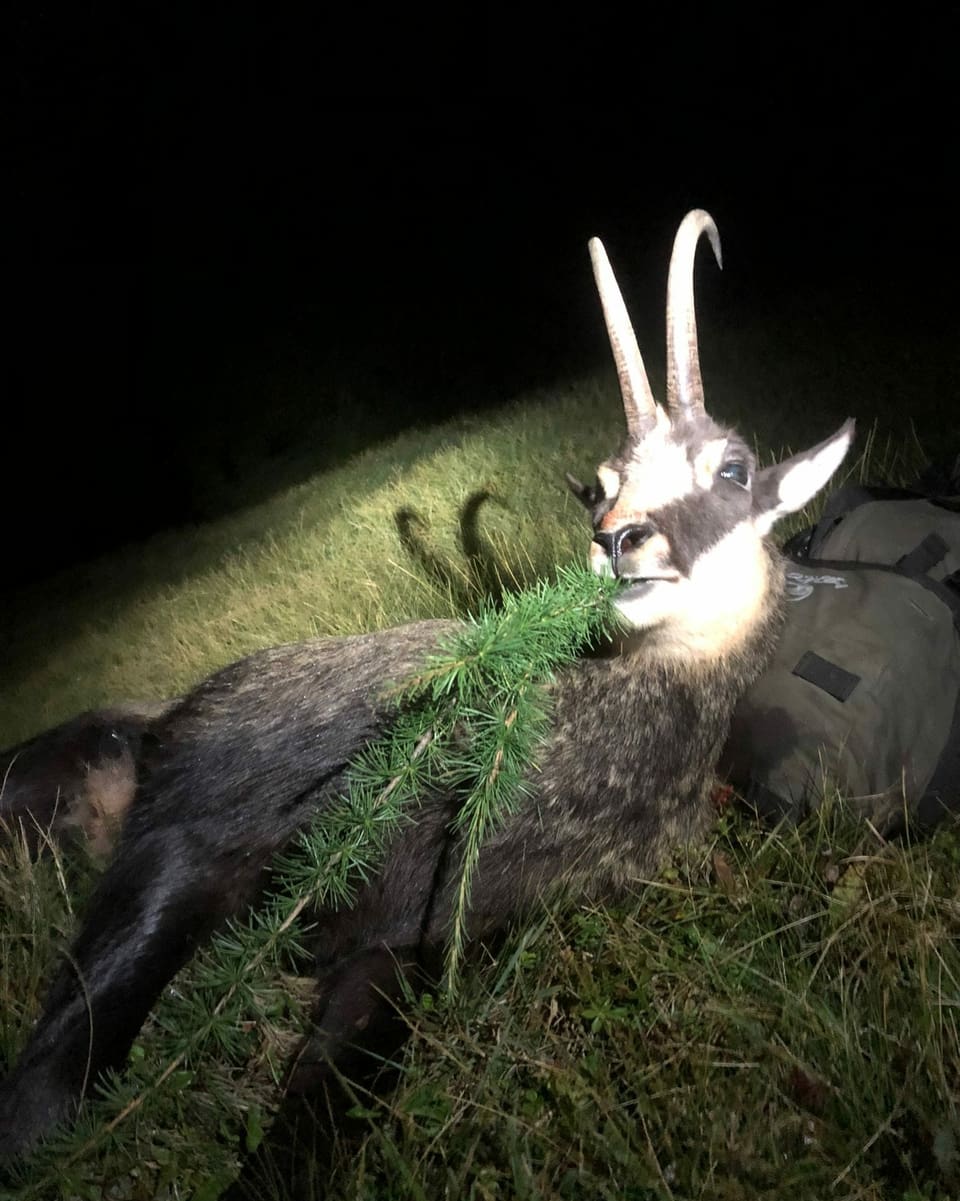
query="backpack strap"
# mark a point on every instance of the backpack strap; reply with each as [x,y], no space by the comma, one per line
[808,542]
[925,556]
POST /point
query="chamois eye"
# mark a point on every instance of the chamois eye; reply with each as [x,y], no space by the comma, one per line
[737,472]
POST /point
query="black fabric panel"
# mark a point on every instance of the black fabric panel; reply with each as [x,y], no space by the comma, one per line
[826,675]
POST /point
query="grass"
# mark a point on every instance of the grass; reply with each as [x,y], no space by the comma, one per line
[774,1016]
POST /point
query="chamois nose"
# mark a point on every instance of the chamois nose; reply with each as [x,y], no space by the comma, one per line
[622,541]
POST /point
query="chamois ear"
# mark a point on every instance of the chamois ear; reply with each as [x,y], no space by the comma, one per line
[585,493]
[787,486]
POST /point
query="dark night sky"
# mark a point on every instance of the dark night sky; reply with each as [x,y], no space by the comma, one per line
[219,219]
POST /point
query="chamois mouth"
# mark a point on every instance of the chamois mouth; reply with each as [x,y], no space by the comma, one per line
[633,587]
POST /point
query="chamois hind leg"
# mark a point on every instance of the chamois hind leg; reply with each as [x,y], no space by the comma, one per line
[162,897]
[226,778]
[77,778]
[191,854]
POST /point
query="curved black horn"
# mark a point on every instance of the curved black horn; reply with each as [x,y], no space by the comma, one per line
[684,385]
[638,402]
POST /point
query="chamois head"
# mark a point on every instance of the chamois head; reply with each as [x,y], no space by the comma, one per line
[681,511]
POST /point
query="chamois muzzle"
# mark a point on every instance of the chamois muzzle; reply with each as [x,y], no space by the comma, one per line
[622,541]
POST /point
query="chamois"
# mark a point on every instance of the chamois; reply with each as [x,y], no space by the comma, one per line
[223,778]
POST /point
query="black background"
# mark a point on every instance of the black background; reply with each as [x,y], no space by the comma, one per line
[233,230]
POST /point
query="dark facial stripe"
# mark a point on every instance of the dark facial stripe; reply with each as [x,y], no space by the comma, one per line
[695,523]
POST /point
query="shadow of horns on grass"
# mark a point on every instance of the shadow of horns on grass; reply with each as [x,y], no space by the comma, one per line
[482,573]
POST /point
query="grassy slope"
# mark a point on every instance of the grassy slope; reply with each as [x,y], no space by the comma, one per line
[323,558]
[777,1022]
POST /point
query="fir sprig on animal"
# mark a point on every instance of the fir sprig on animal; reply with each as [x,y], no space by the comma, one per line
[469,723]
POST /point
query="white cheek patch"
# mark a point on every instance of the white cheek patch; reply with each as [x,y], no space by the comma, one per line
[727,590]
[609,481]
[648,610]
[707,614]
[708,460]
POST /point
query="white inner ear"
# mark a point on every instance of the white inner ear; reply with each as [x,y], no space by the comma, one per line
[804,478]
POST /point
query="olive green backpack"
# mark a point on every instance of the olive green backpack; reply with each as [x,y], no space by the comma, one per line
[863,693]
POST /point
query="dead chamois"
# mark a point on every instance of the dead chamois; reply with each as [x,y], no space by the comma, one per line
[222,779]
